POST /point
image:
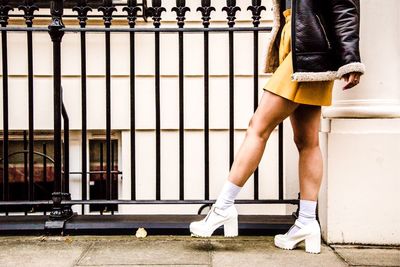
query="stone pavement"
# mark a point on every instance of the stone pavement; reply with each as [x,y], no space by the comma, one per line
[180,251]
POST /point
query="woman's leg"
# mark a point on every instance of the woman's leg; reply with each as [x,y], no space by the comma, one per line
[305,122]
[271,111]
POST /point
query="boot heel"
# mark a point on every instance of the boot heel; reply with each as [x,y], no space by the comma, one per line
[231,227]
[313,243]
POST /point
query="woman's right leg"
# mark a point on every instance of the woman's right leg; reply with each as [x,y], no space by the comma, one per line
[271,111]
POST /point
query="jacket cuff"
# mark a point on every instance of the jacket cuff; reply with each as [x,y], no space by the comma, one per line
[351,67]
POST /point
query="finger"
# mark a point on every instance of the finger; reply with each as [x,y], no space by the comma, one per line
[346,77]
[351,82]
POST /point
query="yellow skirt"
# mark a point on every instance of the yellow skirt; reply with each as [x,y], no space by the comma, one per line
[311,93]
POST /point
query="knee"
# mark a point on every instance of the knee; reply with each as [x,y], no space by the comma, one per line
[259,128]
[306,142]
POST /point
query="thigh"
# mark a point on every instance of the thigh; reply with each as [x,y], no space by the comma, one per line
[272,110]
[305,122]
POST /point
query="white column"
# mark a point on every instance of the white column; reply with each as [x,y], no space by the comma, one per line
[378,94]
[361,139]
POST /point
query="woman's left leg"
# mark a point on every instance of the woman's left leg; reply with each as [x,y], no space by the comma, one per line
[305,123]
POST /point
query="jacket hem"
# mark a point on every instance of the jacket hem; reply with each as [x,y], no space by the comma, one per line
[314,76]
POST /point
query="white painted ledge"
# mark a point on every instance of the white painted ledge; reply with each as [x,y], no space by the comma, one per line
[363,109]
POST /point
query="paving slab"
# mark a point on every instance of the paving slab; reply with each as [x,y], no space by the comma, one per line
[369,255]
[150,252]
[264,253]
[40,254]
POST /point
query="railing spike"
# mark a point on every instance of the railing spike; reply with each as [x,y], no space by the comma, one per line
[231,10]
[256,8]
[206,10]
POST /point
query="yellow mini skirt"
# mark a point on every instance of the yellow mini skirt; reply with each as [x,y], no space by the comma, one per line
[280,83]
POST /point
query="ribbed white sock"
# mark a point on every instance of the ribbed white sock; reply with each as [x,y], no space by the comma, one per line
[307,214]
[227,195]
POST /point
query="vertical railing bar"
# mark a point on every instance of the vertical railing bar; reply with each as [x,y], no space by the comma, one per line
[29,8]
[156,11]
[231,10]
[158,131]
[101,170]
[112,175]
[133,117]
[4,22]
[206,10]
[44,163]
[108,116]
[107,10]
[56,36]
[256,8]
[206,117]
[180,10]
[84,118]
[132,10]
[26,184]
[231,99]
[255,104]
[31,115]
[181,119]
[44,167]
[82,9]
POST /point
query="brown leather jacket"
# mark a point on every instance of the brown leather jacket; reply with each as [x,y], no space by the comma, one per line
[325,39]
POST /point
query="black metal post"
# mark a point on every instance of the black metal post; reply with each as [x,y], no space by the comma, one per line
[231,10]
[108,8]
[132,10]
[4,9]
[180,10]
[82,8]
[59,212]
[29,8]
[156,11]
[56,9]
[206,10]
[256,10]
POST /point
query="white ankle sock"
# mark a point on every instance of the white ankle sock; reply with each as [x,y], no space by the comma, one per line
[307,214]
[227,195]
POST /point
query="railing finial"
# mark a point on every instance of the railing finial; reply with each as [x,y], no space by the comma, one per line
[156,9]
[29,8]
[256,8]
[56,11]
[231,10]
[107,8]
[206,10]
[132,9]
[4,9]
[180,10]
[82,9]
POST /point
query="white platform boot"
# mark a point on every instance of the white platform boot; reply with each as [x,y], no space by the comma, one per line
[310,233]
[214,219]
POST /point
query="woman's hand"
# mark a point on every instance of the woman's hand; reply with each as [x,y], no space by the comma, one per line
[351,79]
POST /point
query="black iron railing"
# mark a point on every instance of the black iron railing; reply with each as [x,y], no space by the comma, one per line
[60,204]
